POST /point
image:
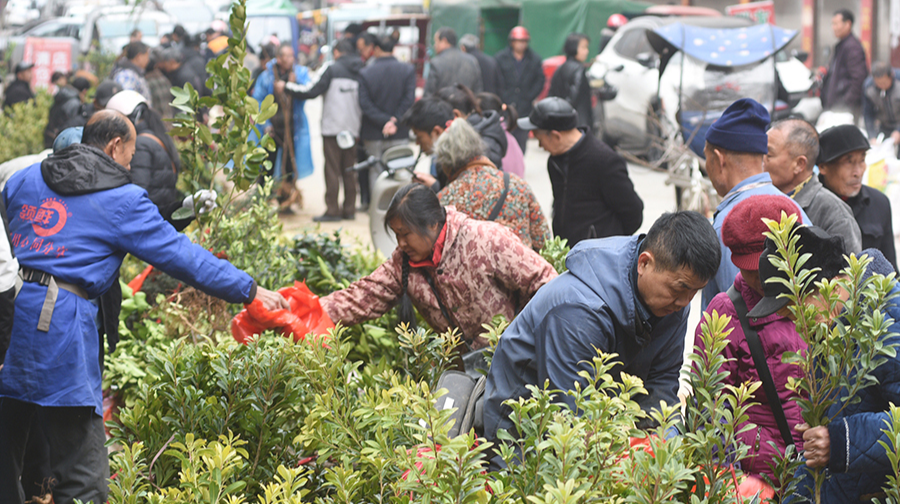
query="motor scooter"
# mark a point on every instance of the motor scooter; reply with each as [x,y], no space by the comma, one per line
[397,166]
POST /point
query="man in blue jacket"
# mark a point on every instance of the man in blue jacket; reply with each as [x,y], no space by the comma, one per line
[73,218]
[628,295]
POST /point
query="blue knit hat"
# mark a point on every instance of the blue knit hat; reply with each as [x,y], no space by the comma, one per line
[741,128]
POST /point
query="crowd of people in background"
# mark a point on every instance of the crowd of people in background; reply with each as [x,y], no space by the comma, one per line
[460,259]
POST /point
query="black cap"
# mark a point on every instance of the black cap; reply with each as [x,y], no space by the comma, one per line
[22,66]
[827,255]
[839,140]
[551,114]
[105,91]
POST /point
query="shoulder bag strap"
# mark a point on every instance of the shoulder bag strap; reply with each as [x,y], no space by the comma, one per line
[759,360]
[495,212]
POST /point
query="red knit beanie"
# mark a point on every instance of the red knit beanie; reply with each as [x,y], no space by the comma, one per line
[743,228]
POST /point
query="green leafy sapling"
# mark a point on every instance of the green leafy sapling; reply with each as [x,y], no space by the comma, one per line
[841,320]
[716,414]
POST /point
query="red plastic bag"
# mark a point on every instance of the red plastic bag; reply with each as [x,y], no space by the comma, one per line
[305,316]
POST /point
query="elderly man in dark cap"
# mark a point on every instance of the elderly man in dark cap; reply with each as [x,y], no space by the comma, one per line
[849,446]
[842,163]
[593,197]
[735,146]
[19,90]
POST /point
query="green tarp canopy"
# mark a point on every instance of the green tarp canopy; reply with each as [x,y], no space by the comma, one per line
[271,8]
[549,21]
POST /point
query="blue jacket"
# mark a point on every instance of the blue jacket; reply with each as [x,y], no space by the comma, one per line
[751,186]
[80,231]
[265,86]
[593,305]
[858,464]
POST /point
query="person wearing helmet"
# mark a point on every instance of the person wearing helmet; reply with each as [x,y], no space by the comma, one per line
[156,161]
[522,76]
[612,25]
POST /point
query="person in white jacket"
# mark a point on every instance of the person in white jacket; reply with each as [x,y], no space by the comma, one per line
[9,270]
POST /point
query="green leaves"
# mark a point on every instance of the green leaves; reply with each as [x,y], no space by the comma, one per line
[843,323]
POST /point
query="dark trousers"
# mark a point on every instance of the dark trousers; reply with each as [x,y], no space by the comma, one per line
[336,160]
[362,176]
[75,439]
[521,136]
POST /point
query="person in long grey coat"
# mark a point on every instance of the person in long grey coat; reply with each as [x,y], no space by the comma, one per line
[451,66]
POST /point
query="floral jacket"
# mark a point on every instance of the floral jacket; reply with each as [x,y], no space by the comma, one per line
[484,271]
[477,189]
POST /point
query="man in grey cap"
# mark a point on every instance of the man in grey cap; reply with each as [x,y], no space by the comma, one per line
[19,90]
[593,197]
[842,163]
[793,150]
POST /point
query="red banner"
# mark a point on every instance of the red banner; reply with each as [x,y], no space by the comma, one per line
[759,12]
[865,28]
[807,31]
[48,56]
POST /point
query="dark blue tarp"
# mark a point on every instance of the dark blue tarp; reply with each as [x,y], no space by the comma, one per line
[720,46]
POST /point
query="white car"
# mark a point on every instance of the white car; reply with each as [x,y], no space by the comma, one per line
[629,63]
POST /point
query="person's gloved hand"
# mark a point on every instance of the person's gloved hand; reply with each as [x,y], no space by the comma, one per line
[205,200]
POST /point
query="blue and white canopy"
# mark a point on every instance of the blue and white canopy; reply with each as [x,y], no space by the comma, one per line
[726,47]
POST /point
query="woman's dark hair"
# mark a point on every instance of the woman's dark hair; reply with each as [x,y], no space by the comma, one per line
[151,122]
[490,101]
[418,207]
[460,97]
[134,49]
[427,113]
[570,48]
[268,51]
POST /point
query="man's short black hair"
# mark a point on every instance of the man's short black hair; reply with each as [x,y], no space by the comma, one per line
[427,113]
[345,47]
[105,128]
[180,32]
[684,239]
[570,47]
[134,49]
[845,14]
[368,38]
[448,34]
[386,43]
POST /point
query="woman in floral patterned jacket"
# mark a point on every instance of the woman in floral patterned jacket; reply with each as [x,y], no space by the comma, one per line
[458,272]
[475,186]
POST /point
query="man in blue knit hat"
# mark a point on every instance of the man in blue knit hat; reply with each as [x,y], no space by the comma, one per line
[735,146]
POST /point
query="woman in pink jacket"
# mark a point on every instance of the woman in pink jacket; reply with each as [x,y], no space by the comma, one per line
[742,232]
[458,272]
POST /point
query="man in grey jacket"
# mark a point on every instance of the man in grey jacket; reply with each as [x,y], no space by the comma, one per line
[628,295]
[881,103]
[451,66]
[793,149]
[339,86]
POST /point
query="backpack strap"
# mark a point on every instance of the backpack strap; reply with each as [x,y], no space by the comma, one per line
[495,212]
[759,360]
